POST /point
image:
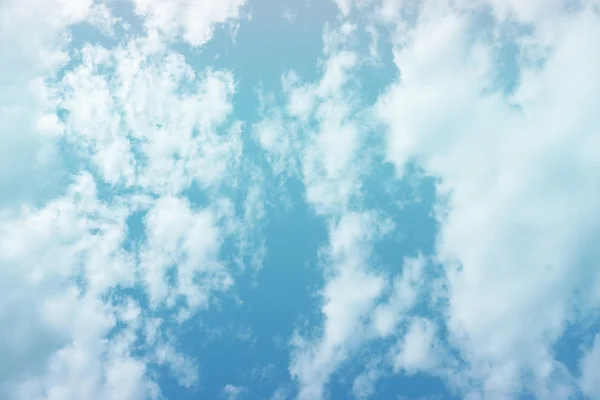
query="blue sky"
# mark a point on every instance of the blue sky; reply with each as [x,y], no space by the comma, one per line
[311,200]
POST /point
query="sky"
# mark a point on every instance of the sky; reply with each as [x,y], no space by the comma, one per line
[299,199]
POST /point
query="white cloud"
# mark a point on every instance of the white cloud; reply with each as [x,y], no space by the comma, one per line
[349,295]
[193,21]
[279,394]
[34,36]
[328,153]
[330,165]
[517,236]
[405,291]
[288,16]
[281,143]
[417,351]
[301,98]
[232,392]
[344,5]
[389,10]
[56,347]
[147,124]
[90,366]
[56,330]
[183,368]
[590,373]
[527,11]
[161,142]
[363,386]
[331,168]
[336,72]
[187,243]
[321,128]
[247,229]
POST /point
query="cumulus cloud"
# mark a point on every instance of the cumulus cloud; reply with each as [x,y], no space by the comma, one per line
[348,297]
[28,56]
[113,133]
[417,351]
[148,120]
[57,347]
[512,157]
[192,21]
[90,366]
[589,370]
[188,243]
[517,234]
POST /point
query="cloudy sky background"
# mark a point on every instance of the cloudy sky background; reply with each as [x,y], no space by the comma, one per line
[307,199]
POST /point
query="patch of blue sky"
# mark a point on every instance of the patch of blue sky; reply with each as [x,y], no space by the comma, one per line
[241,340]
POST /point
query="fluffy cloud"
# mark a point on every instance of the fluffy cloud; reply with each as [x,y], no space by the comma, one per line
[232,392]
[517,234]
[57,347]
[512,154]
[91,366]
[317,134]
[186,242]
[348,297]
[405,293]
[193,21]
[28,56]
[105,134]
[589,370]
[280,142]
[416,351]
[146,119]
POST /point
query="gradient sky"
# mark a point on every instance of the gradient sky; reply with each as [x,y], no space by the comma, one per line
[299,199]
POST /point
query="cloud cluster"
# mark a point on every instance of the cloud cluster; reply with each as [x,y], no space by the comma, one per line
[517,235]
[513,154]
[146,119]
[192,21]
[141,195]
[106,254]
